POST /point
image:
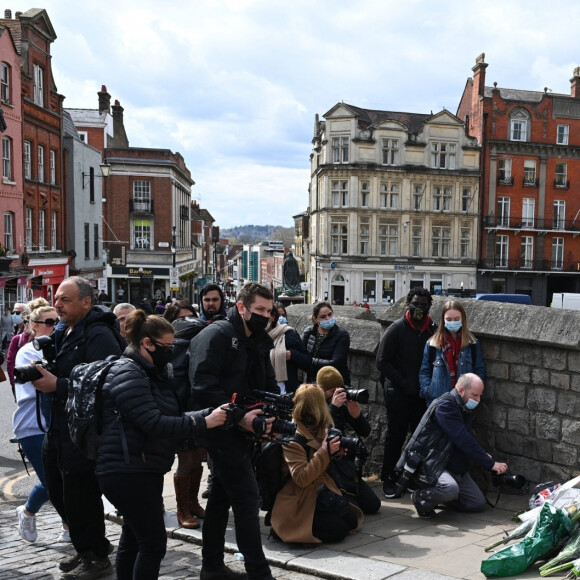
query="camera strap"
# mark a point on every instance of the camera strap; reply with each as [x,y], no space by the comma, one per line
[38,414]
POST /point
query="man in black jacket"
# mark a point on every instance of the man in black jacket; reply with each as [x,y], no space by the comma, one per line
[85,334]
[230,357]
[399,358]
[444,448]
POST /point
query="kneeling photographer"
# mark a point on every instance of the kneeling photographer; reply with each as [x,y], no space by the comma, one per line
[310,508]
[344,405]
[441,450]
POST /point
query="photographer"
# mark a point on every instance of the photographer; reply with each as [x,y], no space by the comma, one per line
[347,413]
[441,450]
[310,507]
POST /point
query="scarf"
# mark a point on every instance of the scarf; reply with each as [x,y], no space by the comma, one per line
[451,349]
[278,353]
[426,322]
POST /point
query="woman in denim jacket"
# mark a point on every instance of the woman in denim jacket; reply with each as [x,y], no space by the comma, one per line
[450,353]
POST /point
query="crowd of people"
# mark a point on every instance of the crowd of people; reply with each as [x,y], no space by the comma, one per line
[182,383]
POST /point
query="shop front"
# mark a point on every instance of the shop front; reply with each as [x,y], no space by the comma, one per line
[46,277]
[141,282]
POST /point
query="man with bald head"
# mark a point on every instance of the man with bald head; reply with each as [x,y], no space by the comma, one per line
[443,448]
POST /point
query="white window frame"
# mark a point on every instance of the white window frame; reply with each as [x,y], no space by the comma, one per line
[365,194]
[41,230]
[528,212]
[338,235]
[418,192]
[340,146]
[505,170]
[557,253]
[519,129]
[142,234]
[7,159]
[390,151]
[559,222]
[40,162]
[502,246]
[443,155]
[465,242]
[27,160]
[562,135]
[364,236]
[339,193]
[142,195]
[527,262]
[38,85]
[53,226]
[5,83]
[9,231]
[503,211]
[561,175]
[530,172]
[28,229]
[52,161]
[466,199]
[417,241]
[440,241]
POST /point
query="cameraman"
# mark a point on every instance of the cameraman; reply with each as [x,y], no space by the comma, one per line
[346,413]
[233,356]
[445,448]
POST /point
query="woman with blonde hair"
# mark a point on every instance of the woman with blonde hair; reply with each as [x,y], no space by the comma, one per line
[310,507]
[451,352]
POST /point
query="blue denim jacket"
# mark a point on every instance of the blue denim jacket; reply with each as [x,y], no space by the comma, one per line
[435,380]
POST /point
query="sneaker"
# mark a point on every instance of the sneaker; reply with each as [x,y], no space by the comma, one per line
[89,569]
[64,536]
[70,563]
[389,489]
[223,573]
[26,525]
[421,511]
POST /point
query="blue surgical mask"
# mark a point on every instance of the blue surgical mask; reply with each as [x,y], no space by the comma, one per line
[16,319]
[282,320]
[471,404]
[327,324]
[453,325]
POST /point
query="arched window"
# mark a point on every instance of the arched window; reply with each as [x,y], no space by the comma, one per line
[520,125]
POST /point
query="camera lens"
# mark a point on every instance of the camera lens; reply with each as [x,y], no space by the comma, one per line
[358,395]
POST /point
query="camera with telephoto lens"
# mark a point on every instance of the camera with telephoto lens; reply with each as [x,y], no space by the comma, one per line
[29,372]
[516,481]
[358,395]
[355,448]
[412,462]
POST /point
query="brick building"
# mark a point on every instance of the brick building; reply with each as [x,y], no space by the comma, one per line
[39,157]
[530,208]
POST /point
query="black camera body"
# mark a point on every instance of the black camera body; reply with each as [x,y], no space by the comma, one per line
[412,462]
[354,447]
[29,372]
[516,481]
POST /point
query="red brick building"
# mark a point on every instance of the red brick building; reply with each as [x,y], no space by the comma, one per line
[530,207]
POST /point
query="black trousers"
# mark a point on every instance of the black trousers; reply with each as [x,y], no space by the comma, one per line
[78,495]
[403,415]
[143,541]
[233,484]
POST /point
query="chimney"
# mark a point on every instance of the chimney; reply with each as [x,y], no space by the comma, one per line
[575,81]
[479,74]
[119,134]
[104,100]
[17,14]
[7,14]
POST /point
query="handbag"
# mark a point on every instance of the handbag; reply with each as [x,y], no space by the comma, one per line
[329,502]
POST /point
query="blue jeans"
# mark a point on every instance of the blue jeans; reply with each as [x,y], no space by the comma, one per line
[143,541]
[32,447]
[233,484]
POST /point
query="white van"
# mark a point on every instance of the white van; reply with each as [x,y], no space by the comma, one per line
[567,300]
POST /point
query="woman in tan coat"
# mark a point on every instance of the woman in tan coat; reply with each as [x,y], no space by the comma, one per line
[310,507]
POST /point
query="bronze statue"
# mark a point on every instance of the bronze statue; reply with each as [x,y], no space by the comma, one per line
[291,276]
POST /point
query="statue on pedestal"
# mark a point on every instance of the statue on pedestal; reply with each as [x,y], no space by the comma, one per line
[291,276]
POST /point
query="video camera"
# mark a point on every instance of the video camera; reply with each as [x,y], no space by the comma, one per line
[273,405]
[29,372]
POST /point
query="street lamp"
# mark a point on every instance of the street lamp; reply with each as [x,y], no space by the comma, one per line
[105,171]
[173,257]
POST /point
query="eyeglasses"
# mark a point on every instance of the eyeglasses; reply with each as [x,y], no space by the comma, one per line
[161,345]
[48,321]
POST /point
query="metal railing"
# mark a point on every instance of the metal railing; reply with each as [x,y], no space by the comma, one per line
[524,264]
[527,223]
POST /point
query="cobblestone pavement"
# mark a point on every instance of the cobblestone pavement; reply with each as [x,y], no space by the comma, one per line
[19,559]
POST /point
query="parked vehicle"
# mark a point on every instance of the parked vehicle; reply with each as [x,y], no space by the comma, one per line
[513,298]
[567,300]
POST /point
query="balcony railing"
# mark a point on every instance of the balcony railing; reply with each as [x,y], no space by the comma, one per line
[505,180]
[143,207]
[524,264]
[530,182]
[527,223]
[561,184]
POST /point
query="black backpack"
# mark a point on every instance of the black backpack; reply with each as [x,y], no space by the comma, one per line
[84,404]
[268,462]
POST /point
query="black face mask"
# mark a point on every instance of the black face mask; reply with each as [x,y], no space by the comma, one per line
[257,323]
[418,313]
[161,356]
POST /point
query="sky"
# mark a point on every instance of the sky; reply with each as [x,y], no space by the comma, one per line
[234,85]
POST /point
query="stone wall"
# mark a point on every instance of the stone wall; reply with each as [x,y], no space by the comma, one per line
[530,412]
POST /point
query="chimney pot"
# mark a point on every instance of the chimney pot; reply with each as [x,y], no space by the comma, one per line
[8,14]
[575,82]
[17,14]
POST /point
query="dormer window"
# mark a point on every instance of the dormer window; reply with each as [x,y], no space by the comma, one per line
[519,125]
[340,149]
[443,155]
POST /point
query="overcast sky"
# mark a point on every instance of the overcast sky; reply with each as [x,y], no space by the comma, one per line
[234,85]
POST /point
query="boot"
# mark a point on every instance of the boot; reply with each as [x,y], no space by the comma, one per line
[194,506]
[207,491]
[182,483]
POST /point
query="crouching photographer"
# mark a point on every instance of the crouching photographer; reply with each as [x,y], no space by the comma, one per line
[345,410]
[441,450]
[310,507]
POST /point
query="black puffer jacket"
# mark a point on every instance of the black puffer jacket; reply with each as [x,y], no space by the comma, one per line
[224,361]
[140,402]
[333,351]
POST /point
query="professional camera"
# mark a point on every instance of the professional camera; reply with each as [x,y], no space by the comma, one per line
[357,395]
[354,447]
[413,461]
[516,481]
[29,372]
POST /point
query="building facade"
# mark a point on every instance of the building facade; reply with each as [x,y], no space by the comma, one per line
[393,205]
[530,213]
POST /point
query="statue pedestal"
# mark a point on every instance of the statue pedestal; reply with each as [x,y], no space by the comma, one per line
[289,300]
